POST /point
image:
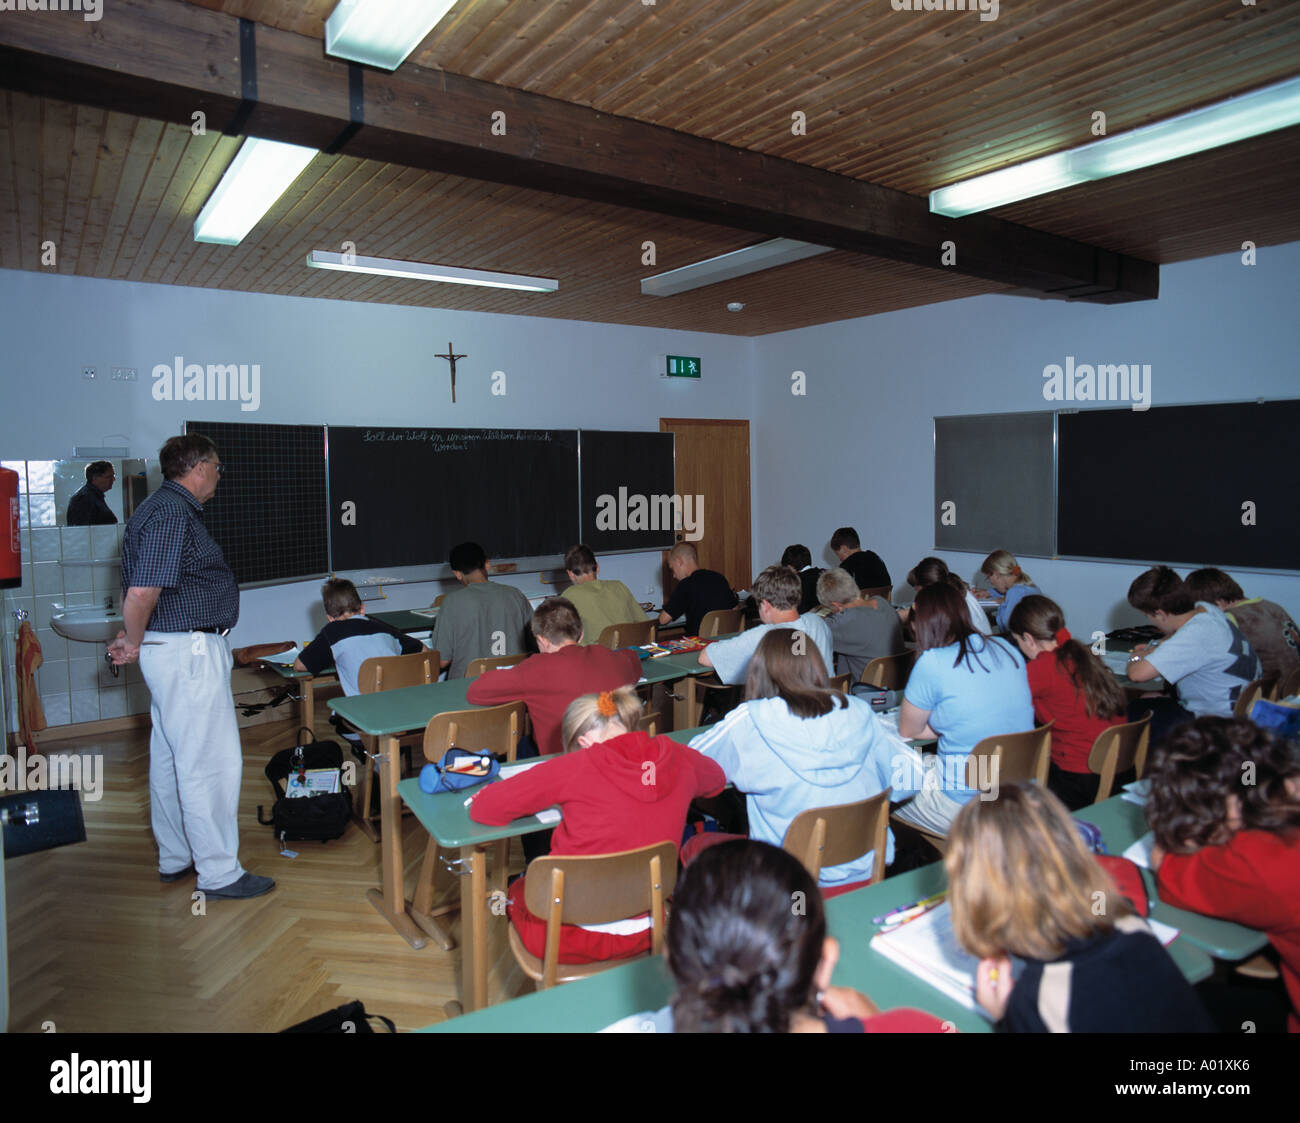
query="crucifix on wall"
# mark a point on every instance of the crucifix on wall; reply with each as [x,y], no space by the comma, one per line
[451,357]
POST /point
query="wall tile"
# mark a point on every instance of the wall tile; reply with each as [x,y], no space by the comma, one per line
[85,705]
[112,702]
[76,579]
[44,610]
[76,543]
[48,577]
[58,709]
[53,646]
[41,510]
[103,541]
[52,677]
[45,544]
[137,699]
[83,674]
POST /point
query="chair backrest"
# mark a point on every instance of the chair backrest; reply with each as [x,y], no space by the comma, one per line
[437,601]
[491,729]
[831,836]
[1010,758]
[889,672]
[722,622]
[885,591]
[392,672]
[633,632]
[1289,684]
[1118,749]
[598,889]
[491,663]
[649,723]
[841,682]
[1251,693]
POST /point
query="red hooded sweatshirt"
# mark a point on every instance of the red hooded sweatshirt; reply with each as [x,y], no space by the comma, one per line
[620,794]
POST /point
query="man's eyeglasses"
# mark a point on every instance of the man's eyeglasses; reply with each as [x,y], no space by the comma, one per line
[220,468]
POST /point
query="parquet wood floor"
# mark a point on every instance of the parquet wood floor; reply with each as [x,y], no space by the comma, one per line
[98,944]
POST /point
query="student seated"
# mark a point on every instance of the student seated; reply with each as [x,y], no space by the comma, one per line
[964,687]
[799,558]
[1267,626]
[1021,883]
[1072,688]
[599,603]
[349,639]
[862,628]
[564,670]
[481,619]
[617,790]
[777,591]
[698,591]
[864,566]
[1203,652]
[1229,847]
[745,961]
[933,571]
[795,744]
[1009,581]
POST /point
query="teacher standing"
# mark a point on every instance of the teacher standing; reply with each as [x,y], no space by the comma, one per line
[180,602]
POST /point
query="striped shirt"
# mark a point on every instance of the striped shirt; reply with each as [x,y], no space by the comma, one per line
[167,547]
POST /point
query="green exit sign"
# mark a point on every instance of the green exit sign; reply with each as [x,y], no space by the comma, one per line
[683,366]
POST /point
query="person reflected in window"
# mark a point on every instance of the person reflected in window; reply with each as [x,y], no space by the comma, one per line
[88,507]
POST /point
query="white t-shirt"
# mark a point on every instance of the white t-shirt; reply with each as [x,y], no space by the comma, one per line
[978,617]
[730,657]
[1210,660]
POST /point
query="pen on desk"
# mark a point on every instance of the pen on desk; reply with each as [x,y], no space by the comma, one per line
[917,906]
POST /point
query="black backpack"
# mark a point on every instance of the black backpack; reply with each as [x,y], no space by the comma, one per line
[319,817]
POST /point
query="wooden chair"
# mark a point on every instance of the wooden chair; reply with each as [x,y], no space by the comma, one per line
[1009,758]
[633,633]
[437,601]
[1118,749]
[889,672]
[1251,693]
[594,889]
[649,723]
[489,729]
[722,622]
[886,591]
[1289,685]
[493,663]
[831,836]
[388,672]
[840,683]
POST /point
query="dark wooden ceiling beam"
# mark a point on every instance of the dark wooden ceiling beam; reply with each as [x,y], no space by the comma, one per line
[168,60]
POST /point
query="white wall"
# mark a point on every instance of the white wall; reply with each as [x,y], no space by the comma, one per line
[858,448]
[340,363]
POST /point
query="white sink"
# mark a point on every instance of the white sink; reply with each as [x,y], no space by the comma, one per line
[89,624]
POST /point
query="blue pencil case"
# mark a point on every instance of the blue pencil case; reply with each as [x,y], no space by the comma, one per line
[458,770]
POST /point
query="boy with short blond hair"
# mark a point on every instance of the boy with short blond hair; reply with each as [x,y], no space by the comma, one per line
[350,637]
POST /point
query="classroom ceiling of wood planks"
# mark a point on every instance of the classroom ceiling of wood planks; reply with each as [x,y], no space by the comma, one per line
[908,101]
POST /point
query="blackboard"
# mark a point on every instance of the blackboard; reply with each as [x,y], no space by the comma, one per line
[628,484]
[406,496]
[268,514]
[1172,484]
[993,476]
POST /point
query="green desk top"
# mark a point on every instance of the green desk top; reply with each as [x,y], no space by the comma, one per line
[404,620]
[402,711]
[594,1003]
[1121,824]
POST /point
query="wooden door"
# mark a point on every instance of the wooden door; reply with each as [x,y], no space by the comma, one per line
[713,463]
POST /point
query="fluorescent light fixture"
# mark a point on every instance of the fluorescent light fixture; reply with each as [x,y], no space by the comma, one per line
[1238,118]
[381,32]
[420,271]
[258,175]
[752,259]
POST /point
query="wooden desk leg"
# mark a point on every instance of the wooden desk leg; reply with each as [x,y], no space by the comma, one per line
[422,910]
[474,914]
[685,704]
[391,900]
[309,705]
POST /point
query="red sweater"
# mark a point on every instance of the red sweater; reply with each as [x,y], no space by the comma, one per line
[1056,699]
[619,794]
[1253,880]
[548,683]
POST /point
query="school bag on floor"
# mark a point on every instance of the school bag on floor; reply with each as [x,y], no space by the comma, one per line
[302,810]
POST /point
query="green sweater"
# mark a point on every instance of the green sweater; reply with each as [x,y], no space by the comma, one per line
[602,603]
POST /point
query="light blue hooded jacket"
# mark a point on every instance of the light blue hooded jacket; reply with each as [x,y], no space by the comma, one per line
[787,764]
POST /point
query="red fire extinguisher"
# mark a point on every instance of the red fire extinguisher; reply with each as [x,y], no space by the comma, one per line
[11,573]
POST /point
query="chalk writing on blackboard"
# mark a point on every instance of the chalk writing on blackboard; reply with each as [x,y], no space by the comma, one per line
[454,440]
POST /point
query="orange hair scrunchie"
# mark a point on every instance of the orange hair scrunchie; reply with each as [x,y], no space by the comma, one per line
[605,704]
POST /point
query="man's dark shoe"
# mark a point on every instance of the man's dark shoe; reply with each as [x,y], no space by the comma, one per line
[250,885]
[179,875]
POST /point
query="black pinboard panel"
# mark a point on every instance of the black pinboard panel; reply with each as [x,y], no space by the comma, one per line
[415,493]
[628,482]
[268,514]
[1202,485]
